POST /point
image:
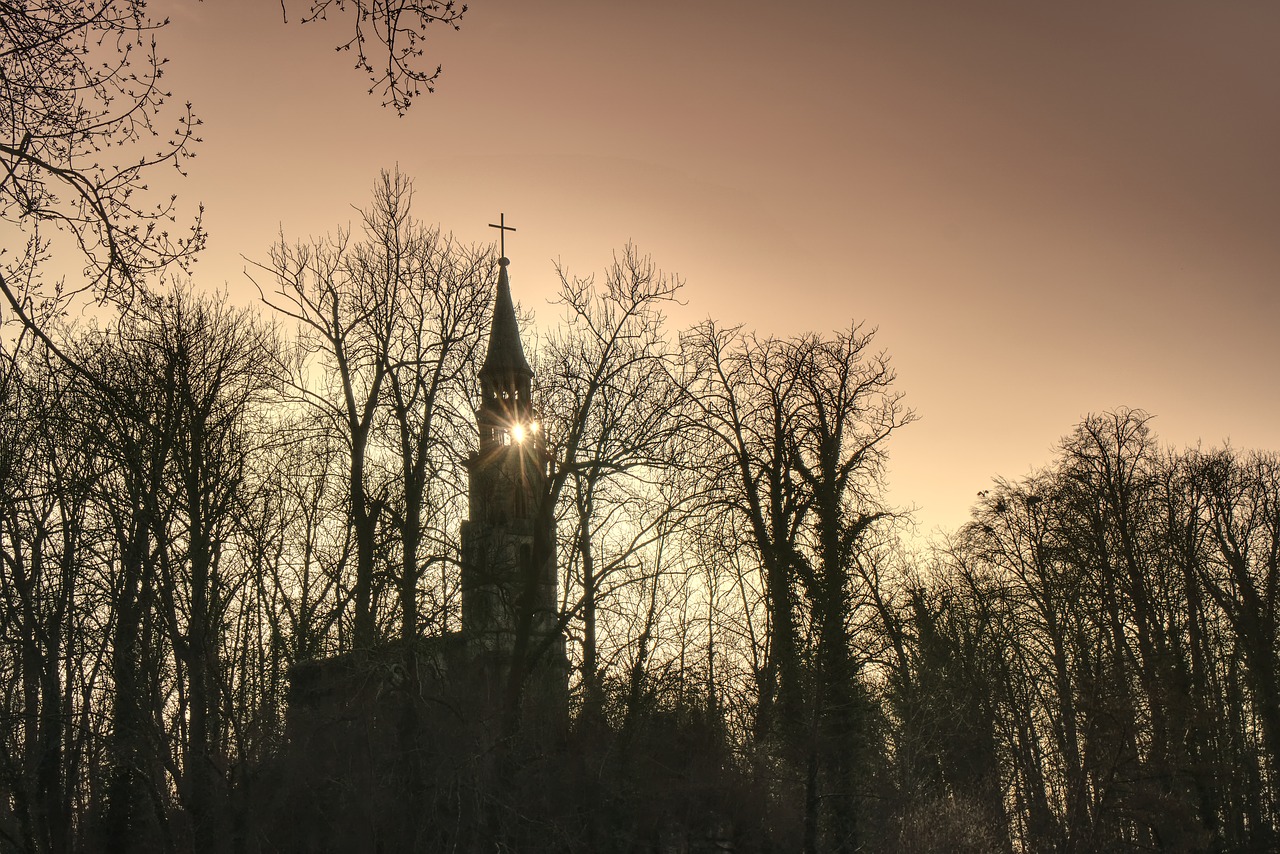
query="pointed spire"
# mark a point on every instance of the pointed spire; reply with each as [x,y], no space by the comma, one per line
[506,353]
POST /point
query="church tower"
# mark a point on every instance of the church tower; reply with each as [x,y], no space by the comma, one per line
[509,605]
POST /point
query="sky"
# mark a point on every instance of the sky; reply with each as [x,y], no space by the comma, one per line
[1046,209]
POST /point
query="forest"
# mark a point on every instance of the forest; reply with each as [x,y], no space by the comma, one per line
[197,498]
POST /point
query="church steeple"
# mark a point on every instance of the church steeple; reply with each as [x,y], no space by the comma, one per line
[506,406]
[506,353]
[510,615]
[507,474]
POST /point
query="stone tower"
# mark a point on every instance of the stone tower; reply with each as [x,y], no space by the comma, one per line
[509,608]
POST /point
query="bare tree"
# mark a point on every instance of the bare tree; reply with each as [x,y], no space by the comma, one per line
[85,122]
[299,537]
[344,306]
[743,392]
[1242,510]
[82,77]
[219,365]
[394,320]
[1126,696]
[126,400]
[440,315]
[398,29]
[612,406]
[46,471]
[798,427]
[846,410]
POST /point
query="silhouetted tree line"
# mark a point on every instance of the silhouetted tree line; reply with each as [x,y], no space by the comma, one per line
[1092,660]
[194,498]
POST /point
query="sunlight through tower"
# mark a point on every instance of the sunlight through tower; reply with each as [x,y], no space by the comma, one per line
[509,603]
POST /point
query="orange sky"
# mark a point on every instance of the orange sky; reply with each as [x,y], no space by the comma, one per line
[1047,208]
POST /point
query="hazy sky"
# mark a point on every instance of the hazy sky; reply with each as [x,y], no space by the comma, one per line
[1047,208]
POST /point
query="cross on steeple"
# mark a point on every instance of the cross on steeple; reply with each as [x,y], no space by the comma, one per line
[503,228]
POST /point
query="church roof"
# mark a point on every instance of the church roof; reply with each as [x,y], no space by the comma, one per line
[506,353]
